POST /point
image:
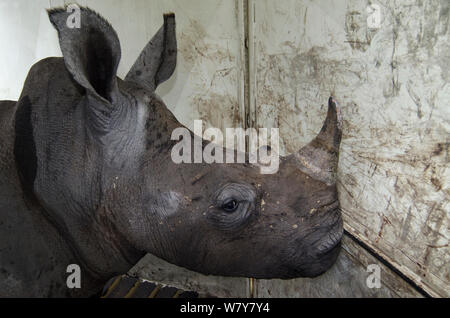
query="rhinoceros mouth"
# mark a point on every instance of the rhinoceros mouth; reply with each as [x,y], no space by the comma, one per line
[328,246]
[332,239]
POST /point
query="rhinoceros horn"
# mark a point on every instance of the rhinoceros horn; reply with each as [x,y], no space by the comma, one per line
[319,158]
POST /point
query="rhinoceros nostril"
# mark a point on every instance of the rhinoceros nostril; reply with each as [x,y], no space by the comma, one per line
[332,236]
[329,244]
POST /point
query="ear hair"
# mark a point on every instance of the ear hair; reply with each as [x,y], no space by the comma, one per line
[91,52]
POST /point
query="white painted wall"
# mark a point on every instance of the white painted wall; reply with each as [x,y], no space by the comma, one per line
[27,36]
[208,81]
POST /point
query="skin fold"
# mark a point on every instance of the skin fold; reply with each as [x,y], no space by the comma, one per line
[87,179]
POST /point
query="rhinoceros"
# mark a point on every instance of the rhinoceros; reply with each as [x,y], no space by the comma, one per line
[87,179]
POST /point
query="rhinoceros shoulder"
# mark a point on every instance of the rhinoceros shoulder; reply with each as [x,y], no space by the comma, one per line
[29,245]
[47,65]
[46,68]
[49,81]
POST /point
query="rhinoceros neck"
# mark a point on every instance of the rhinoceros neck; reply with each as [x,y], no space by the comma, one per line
[39,243]
[33,255]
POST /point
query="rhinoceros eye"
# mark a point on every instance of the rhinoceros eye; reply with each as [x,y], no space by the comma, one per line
[230,205]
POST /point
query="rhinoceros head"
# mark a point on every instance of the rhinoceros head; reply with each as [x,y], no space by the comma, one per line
[105,176]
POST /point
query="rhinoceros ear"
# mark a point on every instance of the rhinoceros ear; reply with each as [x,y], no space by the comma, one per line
[91,49]
[158,59]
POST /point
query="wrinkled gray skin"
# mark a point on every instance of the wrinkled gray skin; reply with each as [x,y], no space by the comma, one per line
[87,179]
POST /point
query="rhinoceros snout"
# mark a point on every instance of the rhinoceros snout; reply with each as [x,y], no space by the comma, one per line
[330,233]
[327,258]
[317,251]
[317,262]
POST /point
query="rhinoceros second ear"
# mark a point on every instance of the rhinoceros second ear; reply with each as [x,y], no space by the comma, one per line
[91,50]
[158,59]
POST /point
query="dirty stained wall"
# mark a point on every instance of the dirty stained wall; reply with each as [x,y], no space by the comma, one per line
[392,83]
